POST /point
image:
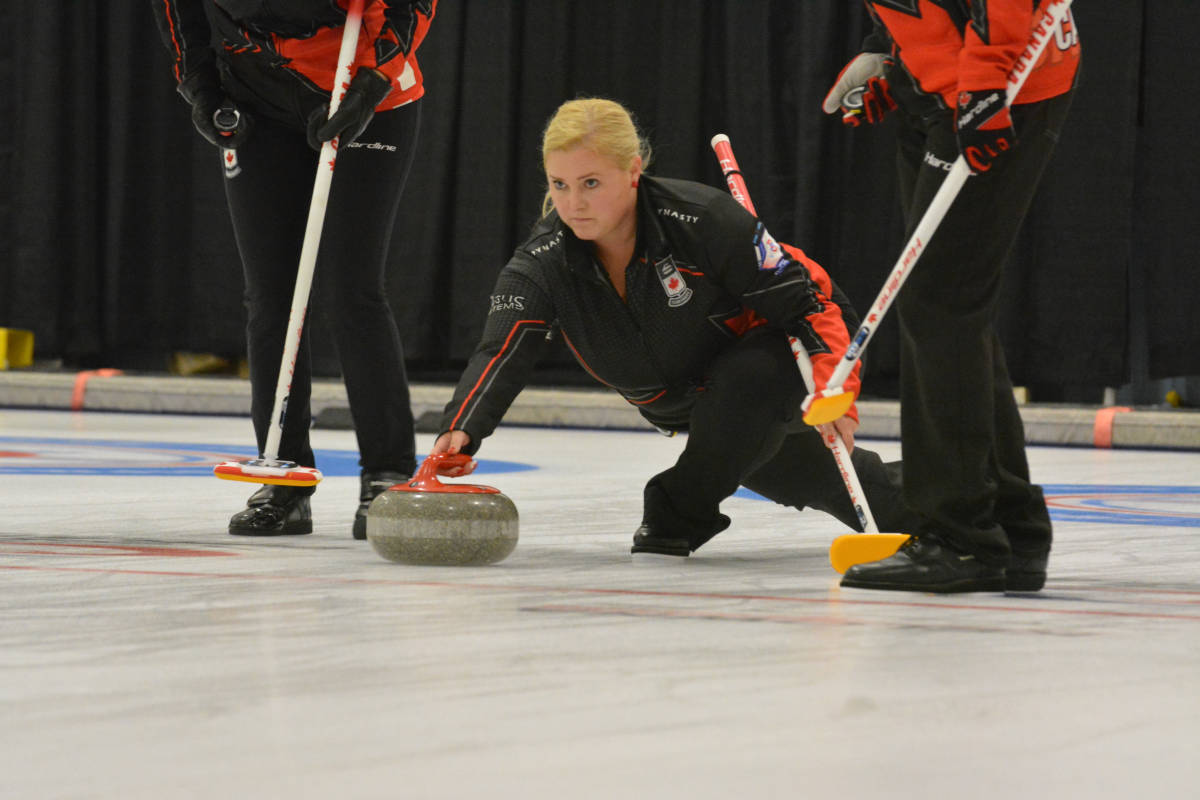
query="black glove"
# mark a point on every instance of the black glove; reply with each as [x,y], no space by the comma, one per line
[215,116]
[357,108]
[984,127]
[861,91]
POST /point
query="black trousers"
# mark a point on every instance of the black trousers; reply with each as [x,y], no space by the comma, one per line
[269,194]
[745,430]
[963,442]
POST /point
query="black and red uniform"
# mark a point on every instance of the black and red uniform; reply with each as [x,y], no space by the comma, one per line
[279,58]
[943,47]
[276,61]
[698,344]
[963,440]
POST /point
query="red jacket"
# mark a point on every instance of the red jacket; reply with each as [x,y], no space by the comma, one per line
[380,45]
[281,57]
[948,46]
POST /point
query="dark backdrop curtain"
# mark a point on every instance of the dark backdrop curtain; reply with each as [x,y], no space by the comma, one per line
[1166,197]
[117,250]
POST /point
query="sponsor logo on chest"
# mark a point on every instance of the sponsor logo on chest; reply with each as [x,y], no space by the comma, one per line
[691,219]
[507,302]
[542,248]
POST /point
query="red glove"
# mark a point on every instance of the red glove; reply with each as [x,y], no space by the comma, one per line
[861,91]
[984,127]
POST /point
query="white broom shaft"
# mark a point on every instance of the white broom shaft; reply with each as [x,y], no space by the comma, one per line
[858,498]
[737,187]
[312,232]
[1052,17]
[959,172]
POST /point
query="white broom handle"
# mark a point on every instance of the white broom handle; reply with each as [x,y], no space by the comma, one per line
[312,233]
[1052,17]
[858,499]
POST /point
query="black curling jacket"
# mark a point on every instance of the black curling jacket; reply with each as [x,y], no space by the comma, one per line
[704,272]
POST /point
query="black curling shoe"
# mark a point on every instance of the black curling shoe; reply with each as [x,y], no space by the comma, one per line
[649,538]
[697,540]
[371,485]
[1026,573]
[274,511]
[922,564]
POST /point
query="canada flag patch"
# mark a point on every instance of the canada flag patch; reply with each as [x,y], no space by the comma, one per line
[230,161]
[672,282]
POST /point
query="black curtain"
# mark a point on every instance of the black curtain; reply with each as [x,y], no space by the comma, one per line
[118,251]
[1166,195]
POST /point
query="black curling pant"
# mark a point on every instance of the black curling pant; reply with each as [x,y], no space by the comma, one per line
[963,441]
[745,430]
[269,195]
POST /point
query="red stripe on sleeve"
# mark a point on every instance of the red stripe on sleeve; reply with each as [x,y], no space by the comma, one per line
[487,370]
[169,6]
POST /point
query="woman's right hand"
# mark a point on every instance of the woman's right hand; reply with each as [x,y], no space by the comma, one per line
[842,428]
[453,442]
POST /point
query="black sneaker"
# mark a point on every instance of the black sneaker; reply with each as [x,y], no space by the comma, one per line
[922,564]
[1026,573]
[371,485]
[274,511]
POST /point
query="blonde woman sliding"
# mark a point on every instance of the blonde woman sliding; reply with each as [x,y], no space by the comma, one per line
[670,293]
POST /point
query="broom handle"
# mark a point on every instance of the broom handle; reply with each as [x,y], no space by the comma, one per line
[1053,16]
[312,234]
[858,498]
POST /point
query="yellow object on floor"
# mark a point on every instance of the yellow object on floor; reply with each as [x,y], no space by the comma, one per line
[185,363]
[16,348]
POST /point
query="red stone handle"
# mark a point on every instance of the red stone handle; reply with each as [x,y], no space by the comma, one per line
[426,479]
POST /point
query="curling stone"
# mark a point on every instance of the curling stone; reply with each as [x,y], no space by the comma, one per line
[427,522]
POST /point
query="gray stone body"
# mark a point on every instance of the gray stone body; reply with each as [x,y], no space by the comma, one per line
[442,528]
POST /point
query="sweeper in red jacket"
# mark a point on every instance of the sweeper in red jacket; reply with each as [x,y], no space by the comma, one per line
[943,67]
[261,94]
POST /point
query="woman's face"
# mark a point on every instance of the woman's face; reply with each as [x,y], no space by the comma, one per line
[594,197]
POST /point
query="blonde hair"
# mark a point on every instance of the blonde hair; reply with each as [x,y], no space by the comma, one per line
[603,126]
